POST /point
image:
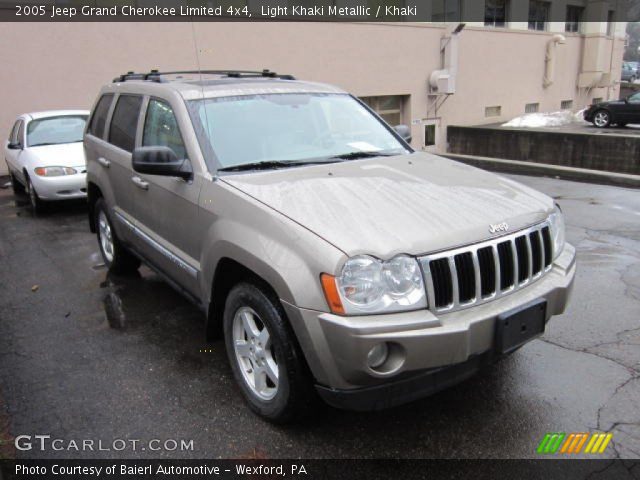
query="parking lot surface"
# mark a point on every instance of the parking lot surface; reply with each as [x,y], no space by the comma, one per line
[86,355]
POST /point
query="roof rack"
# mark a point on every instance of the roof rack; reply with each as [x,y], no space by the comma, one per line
[157,76]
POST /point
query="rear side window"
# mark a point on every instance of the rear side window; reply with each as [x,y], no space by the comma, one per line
[20,138]
[99,119]
[14,132]
[122,132]
[161,128]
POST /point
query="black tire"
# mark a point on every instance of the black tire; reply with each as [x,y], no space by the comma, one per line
[295,396]
[602,118]
[16,186]
[119,260]
[37,205]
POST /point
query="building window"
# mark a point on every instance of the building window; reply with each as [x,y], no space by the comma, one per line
[429,135]
[494,111]
[566,105]
[531,108]
[574,18]
[390,108]
[596,100]
[495,13]
[611,24]
[538,15]
[446,11]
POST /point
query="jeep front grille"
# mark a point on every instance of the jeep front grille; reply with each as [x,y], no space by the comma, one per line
[478,273]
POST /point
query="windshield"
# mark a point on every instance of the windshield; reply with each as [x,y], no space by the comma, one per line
[55,130]
[300,128]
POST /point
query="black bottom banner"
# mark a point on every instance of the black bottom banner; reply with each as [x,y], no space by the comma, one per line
[320,469]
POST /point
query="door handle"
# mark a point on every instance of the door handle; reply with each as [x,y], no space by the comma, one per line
[104,162]
[138,182]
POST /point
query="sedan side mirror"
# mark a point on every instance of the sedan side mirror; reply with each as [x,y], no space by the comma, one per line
[14,146]
[160,160]
[404,131]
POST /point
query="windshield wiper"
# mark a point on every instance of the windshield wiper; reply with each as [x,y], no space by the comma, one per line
[268,164]
[44,144]
[361,154]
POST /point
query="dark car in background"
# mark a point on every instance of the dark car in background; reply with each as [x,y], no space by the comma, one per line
[629,72]
[619,112]
[635,66]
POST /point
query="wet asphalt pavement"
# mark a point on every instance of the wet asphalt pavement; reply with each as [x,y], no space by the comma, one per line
[84,355]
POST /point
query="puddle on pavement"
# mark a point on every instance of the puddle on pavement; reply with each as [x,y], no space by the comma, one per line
[16,208]
[142,300]
[115,313]
[113,302]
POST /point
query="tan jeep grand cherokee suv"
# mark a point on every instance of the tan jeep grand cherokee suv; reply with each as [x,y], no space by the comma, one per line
[333,258]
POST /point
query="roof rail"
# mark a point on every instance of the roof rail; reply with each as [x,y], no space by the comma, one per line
[157,76]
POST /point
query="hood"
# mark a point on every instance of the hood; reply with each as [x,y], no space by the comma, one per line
[62,155]
[609,102]
[412,204]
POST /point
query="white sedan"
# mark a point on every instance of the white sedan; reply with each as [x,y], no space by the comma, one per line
[45,156]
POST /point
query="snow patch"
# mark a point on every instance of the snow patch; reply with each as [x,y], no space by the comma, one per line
[551,119]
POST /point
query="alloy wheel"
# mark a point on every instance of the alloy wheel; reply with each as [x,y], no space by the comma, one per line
[601,119]
[106,237]
[254,353]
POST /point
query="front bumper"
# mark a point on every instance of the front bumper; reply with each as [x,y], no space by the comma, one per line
[64,187]
[435,351]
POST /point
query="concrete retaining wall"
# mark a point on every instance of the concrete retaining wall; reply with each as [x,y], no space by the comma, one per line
[613,153]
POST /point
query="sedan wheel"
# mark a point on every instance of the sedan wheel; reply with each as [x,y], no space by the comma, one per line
[34,199]
[601,119]
[254,354]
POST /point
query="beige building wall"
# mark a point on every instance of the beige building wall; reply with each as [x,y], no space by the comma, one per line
[62,65]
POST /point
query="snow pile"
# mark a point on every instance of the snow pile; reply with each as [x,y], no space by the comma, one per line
[551,119]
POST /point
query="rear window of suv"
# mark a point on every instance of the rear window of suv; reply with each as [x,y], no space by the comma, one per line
[99,119]
[124,122]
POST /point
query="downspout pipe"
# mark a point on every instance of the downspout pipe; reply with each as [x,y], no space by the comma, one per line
[550,59]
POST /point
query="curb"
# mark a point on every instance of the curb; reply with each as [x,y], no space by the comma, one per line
[548,170]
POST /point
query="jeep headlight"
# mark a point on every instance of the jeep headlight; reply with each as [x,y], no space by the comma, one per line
[556,221]
[367,285]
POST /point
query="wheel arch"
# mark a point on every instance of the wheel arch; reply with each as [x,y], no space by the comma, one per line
[228,273]
[93,194]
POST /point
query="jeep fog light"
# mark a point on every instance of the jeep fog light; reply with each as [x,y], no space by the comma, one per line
[377,355]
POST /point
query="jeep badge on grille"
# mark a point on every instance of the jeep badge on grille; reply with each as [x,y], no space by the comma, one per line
[498,227]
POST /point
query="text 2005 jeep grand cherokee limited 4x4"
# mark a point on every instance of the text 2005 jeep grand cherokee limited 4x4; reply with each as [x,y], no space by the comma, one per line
[333,258]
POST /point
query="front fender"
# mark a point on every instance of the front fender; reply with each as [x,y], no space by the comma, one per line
[283,253]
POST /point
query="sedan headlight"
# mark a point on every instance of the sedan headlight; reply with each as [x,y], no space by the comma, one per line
[556,221]
[55,171]
[367,285]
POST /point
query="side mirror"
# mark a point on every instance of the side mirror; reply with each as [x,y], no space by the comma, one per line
[404,131]
[160,161]
[14,146]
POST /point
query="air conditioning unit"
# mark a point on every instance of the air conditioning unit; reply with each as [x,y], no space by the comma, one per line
[441,82]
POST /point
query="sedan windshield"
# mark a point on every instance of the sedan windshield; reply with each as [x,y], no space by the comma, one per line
[56,130]
[289,129]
